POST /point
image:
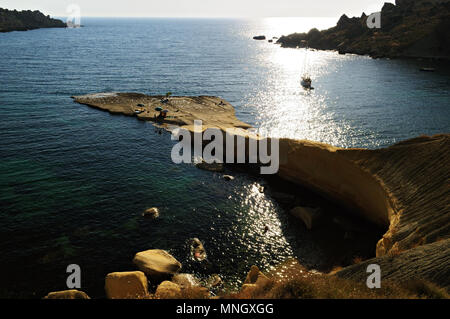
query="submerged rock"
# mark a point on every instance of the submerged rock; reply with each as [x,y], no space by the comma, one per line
[156,263]
[311,217]
[126,285]
[197,250]
[151,213]
[67,294]
[248,288]
[212,167]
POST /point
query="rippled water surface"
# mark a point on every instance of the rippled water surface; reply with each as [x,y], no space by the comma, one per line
[74,180]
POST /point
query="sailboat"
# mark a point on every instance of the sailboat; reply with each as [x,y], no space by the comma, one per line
[306,80]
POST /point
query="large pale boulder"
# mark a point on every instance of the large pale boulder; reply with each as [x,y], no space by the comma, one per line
[67,294]
[310,216]
[168,290]
[126,285]
[156,263]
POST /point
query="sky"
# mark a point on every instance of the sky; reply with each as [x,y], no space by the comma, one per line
[200,8]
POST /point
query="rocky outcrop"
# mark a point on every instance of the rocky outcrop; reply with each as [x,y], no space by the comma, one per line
[13,20]
[67,294]
[156,263]
[126,285]
[183,110]
[408,29]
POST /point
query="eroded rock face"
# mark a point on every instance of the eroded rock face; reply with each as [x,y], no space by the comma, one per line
[168,290]
[126,285]
[156,263]
[67,294]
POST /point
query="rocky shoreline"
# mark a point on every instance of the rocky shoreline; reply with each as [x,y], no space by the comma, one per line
[403,188]
[13,20]
[409,29]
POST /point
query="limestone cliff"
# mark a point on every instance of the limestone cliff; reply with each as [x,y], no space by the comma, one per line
[404,187]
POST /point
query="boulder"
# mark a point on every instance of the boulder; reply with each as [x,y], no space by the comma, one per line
[212,167]
[228,177]
[67,294]
[151,213]
[256,277]
[259,37]
[126,285]
[168,290]
[156,263]
[185,280]
[310,216]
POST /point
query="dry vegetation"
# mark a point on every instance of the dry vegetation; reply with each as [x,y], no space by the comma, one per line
[292,281]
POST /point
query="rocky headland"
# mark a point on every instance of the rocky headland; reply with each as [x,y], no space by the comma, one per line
[13,20]
[403,188]
[409,29]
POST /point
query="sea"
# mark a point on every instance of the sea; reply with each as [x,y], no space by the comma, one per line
[75,180]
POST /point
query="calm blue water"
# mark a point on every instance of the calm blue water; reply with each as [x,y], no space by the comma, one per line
[74,180]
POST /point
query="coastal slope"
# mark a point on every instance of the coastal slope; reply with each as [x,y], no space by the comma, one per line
[404,188]
[13,20]
[410,28]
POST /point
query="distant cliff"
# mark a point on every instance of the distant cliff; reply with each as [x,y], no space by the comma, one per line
[13,20]
[410,28]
